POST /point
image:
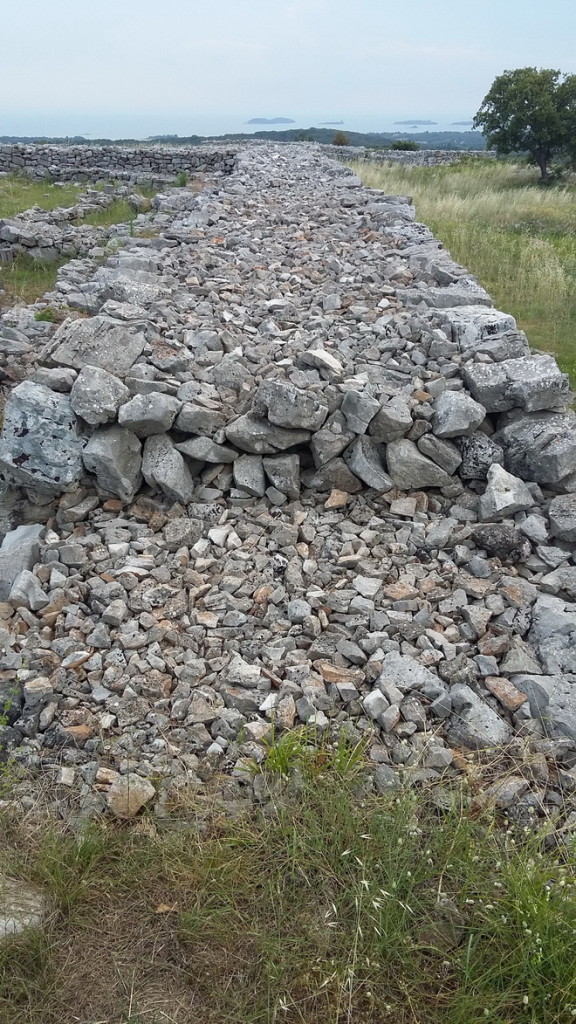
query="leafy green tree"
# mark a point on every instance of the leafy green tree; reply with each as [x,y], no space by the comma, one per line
[530,110]
[406,145]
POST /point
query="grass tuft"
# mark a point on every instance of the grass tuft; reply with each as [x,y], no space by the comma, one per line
[19,194]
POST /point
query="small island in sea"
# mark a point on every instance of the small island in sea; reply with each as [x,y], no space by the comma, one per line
[270,120]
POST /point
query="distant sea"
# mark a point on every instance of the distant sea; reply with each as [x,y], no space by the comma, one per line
[142,125]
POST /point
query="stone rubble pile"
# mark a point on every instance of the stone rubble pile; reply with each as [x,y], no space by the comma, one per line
[294,469]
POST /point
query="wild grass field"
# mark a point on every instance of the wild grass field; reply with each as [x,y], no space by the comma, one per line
[516,236]
[19,194]
[329,905]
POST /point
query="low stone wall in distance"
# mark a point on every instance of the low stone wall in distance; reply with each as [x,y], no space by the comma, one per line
[124,163]
[421,157]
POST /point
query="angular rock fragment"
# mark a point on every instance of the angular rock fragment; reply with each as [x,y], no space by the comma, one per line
[249,475]
[333,475]
[410,470]
[164,468]
[478,453]
[283,471]
[287,406]
[540,447]
[114,455]
[443,453]
[456,414]
[504,496]
[475,725]
[259,437]
[531,383]
[20,550]
[562,514]
[149,414]
[205,450]
[97,395]
[391,422]
[359,409]
[331,440]
[363,459]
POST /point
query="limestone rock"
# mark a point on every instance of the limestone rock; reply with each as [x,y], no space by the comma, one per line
[149,414]
[205,450]
[504,495]
[128,794]
[363,459]
[410,470]
[114,455]
[97,395]
[164,468]
[562,514]
[41,446]
[287,406]
[283,471]
[391,422]
[20,550]
[21,907]
[98,341]
[259,437]
[456,414]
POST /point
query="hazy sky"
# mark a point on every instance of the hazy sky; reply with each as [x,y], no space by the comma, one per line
[138,67]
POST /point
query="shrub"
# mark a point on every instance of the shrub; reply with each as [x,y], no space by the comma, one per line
[182,180]
[407,145]
[340,139]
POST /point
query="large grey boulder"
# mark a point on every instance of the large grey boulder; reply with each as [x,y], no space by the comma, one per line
[114,455]
[287,406]
[456,414]
[541,447]
[391,422]
[165,469]
[259,437]
[97,395]
[20,550]
[531,383]
[149,414]
[40,446]
[475,725]
[363,459]
[504,496]
[410,470]
[562,514]
[97,341]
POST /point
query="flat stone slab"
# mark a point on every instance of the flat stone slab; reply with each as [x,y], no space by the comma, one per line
[97,341]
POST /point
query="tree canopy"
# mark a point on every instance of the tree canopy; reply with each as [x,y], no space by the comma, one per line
[530,110]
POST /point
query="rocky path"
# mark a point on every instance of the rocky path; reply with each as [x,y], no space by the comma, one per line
[291,468]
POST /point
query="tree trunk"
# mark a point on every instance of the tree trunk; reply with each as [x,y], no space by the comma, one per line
[542,161]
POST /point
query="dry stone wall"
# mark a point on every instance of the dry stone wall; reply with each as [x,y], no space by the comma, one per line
[125,163]
[420,158]
[293,468]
